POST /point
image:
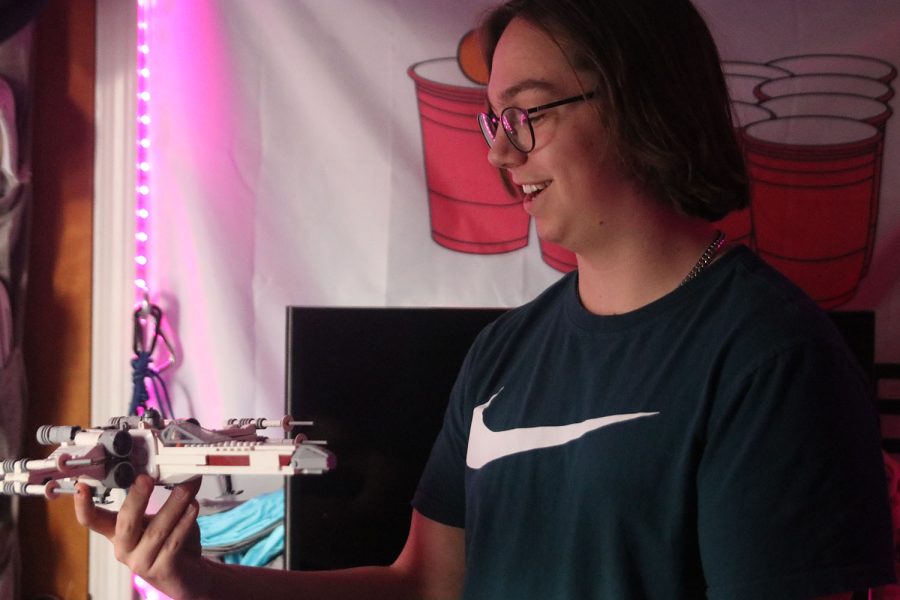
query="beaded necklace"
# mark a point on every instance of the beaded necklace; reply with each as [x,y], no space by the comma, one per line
[708,255]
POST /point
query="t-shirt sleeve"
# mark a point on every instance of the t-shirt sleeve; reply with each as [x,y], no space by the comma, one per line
[440,495]
[792,498]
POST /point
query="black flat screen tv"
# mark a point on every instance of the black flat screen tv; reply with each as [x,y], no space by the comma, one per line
[376,382]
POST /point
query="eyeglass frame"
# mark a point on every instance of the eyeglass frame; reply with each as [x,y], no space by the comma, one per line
[487,118]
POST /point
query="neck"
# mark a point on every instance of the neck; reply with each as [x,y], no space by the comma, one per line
[642,266]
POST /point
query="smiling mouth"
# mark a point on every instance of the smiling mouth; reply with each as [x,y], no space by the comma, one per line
[533,189]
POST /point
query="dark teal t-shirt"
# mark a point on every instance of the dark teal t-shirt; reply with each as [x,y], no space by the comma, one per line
[720,442]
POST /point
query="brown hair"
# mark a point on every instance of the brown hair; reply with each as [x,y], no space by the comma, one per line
[662,92]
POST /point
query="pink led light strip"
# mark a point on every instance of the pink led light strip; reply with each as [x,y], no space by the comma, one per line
[143,197]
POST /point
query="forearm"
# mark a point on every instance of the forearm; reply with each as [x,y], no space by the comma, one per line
[223,582]
[165,551]
[430,567]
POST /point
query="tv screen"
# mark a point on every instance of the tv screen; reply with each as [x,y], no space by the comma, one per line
[376,382]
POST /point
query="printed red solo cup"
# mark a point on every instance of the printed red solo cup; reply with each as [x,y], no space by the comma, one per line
[748,113]
[558,257]
[743,67]
[852,106]
[738,227]
[824,83]
[742,77]
[860,108]
[813,185]
[847,64]
[471,209]
[742,87]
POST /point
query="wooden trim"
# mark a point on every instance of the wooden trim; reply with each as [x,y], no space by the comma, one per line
[113,266]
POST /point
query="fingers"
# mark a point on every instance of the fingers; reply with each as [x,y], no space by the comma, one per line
[183,532]
[166,532]
[163,549]
[130,523]
[91,516]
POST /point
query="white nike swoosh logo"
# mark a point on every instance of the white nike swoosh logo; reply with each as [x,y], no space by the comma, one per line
[486,445]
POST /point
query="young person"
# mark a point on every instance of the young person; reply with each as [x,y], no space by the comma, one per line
[673,420]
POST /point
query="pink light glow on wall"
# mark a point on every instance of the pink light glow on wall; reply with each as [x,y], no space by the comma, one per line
[147,591]
[207,178]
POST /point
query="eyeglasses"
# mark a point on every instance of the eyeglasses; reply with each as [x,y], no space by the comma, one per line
[517,122]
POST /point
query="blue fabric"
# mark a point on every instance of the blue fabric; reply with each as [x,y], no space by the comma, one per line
[254,529]
[261,553]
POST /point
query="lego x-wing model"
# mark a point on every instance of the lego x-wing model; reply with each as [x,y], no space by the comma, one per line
[169,451]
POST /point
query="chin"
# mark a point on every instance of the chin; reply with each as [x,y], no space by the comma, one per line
[549,231]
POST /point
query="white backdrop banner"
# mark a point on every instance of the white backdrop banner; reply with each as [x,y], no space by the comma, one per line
[326,153]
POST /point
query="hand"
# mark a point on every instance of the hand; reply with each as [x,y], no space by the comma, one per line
[163,549]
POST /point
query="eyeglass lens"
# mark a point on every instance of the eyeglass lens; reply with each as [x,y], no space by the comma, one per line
[515,123]
[488,124]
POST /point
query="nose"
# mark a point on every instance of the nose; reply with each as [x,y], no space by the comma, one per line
[503,155]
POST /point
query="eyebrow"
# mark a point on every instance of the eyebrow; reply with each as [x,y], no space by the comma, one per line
[527,84]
